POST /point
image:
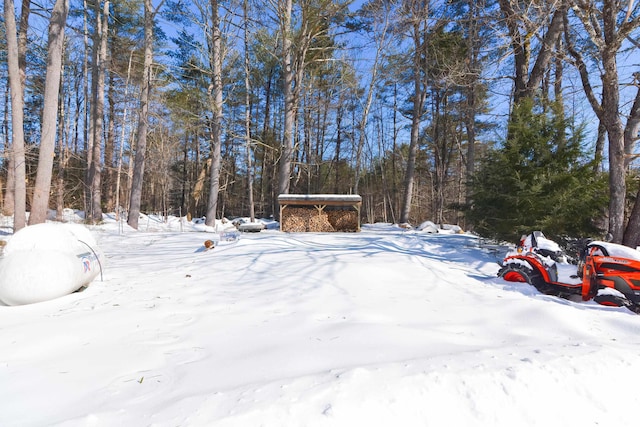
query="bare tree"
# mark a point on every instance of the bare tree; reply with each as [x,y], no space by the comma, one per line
[474,42]
[9,202]
[123,131]
[57,22]
[17,119]
[98,69]
[143,116]
[607,25]
[64,126]
[291,94]
[524,21]
[216,102]
[247,111]
[380,12]
[417,13]
[632,231]
[297,42]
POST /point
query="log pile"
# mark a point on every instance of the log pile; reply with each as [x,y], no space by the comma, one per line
[343,220]
[293,220]
[319,222]
[311,219]
[299,220]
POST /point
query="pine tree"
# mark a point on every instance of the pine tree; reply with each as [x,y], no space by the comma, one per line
[539,179]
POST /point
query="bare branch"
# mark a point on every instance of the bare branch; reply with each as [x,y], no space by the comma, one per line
[582,70]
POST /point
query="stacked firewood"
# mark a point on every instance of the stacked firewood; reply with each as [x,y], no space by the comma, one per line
[343,220]
[319,223]
[298,220]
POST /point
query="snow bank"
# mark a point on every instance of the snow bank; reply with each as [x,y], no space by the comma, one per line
[430,227]
[46,261]
[220,226]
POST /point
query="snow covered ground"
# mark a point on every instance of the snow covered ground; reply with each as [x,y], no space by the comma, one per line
[387,327]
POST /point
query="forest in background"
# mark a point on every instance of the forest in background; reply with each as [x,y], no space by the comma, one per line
[498,116]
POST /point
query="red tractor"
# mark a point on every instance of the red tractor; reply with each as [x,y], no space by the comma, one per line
[606,272]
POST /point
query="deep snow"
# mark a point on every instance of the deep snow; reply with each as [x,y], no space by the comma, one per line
[387,327]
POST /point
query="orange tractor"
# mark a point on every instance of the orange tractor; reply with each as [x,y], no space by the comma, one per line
[606,272]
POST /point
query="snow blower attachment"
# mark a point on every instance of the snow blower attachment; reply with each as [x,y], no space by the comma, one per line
[606,272]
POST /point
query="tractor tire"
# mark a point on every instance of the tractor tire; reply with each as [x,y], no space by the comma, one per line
[521,273]
[634,308]
[617,301]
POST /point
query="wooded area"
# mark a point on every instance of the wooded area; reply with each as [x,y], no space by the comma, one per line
[498,116]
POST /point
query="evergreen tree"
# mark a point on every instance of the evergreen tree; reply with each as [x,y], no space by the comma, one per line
[538,180]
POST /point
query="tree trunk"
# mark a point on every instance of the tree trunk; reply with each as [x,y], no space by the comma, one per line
[471,100]
[266,166]
[286,152]
[395,170]
[23,40]
[63,157]
[143,119]
[613,124]
[123,137]
[607,32]
[632,231]
[631,128]
[108,182]
[17,118]
[336,161]
[362,124]
[419,34]
[8,207]
[216,102]
[413,153]
[63,147]
[97,115]
[247,112]
[7,144]
[40,204]
[599,149]
[85,87]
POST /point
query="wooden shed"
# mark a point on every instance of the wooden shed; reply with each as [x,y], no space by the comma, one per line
[319,212]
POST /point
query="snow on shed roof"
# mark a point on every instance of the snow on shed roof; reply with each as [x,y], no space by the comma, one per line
[319,198]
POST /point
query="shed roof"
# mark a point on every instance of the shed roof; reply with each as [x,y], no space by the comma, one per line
[319,198]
